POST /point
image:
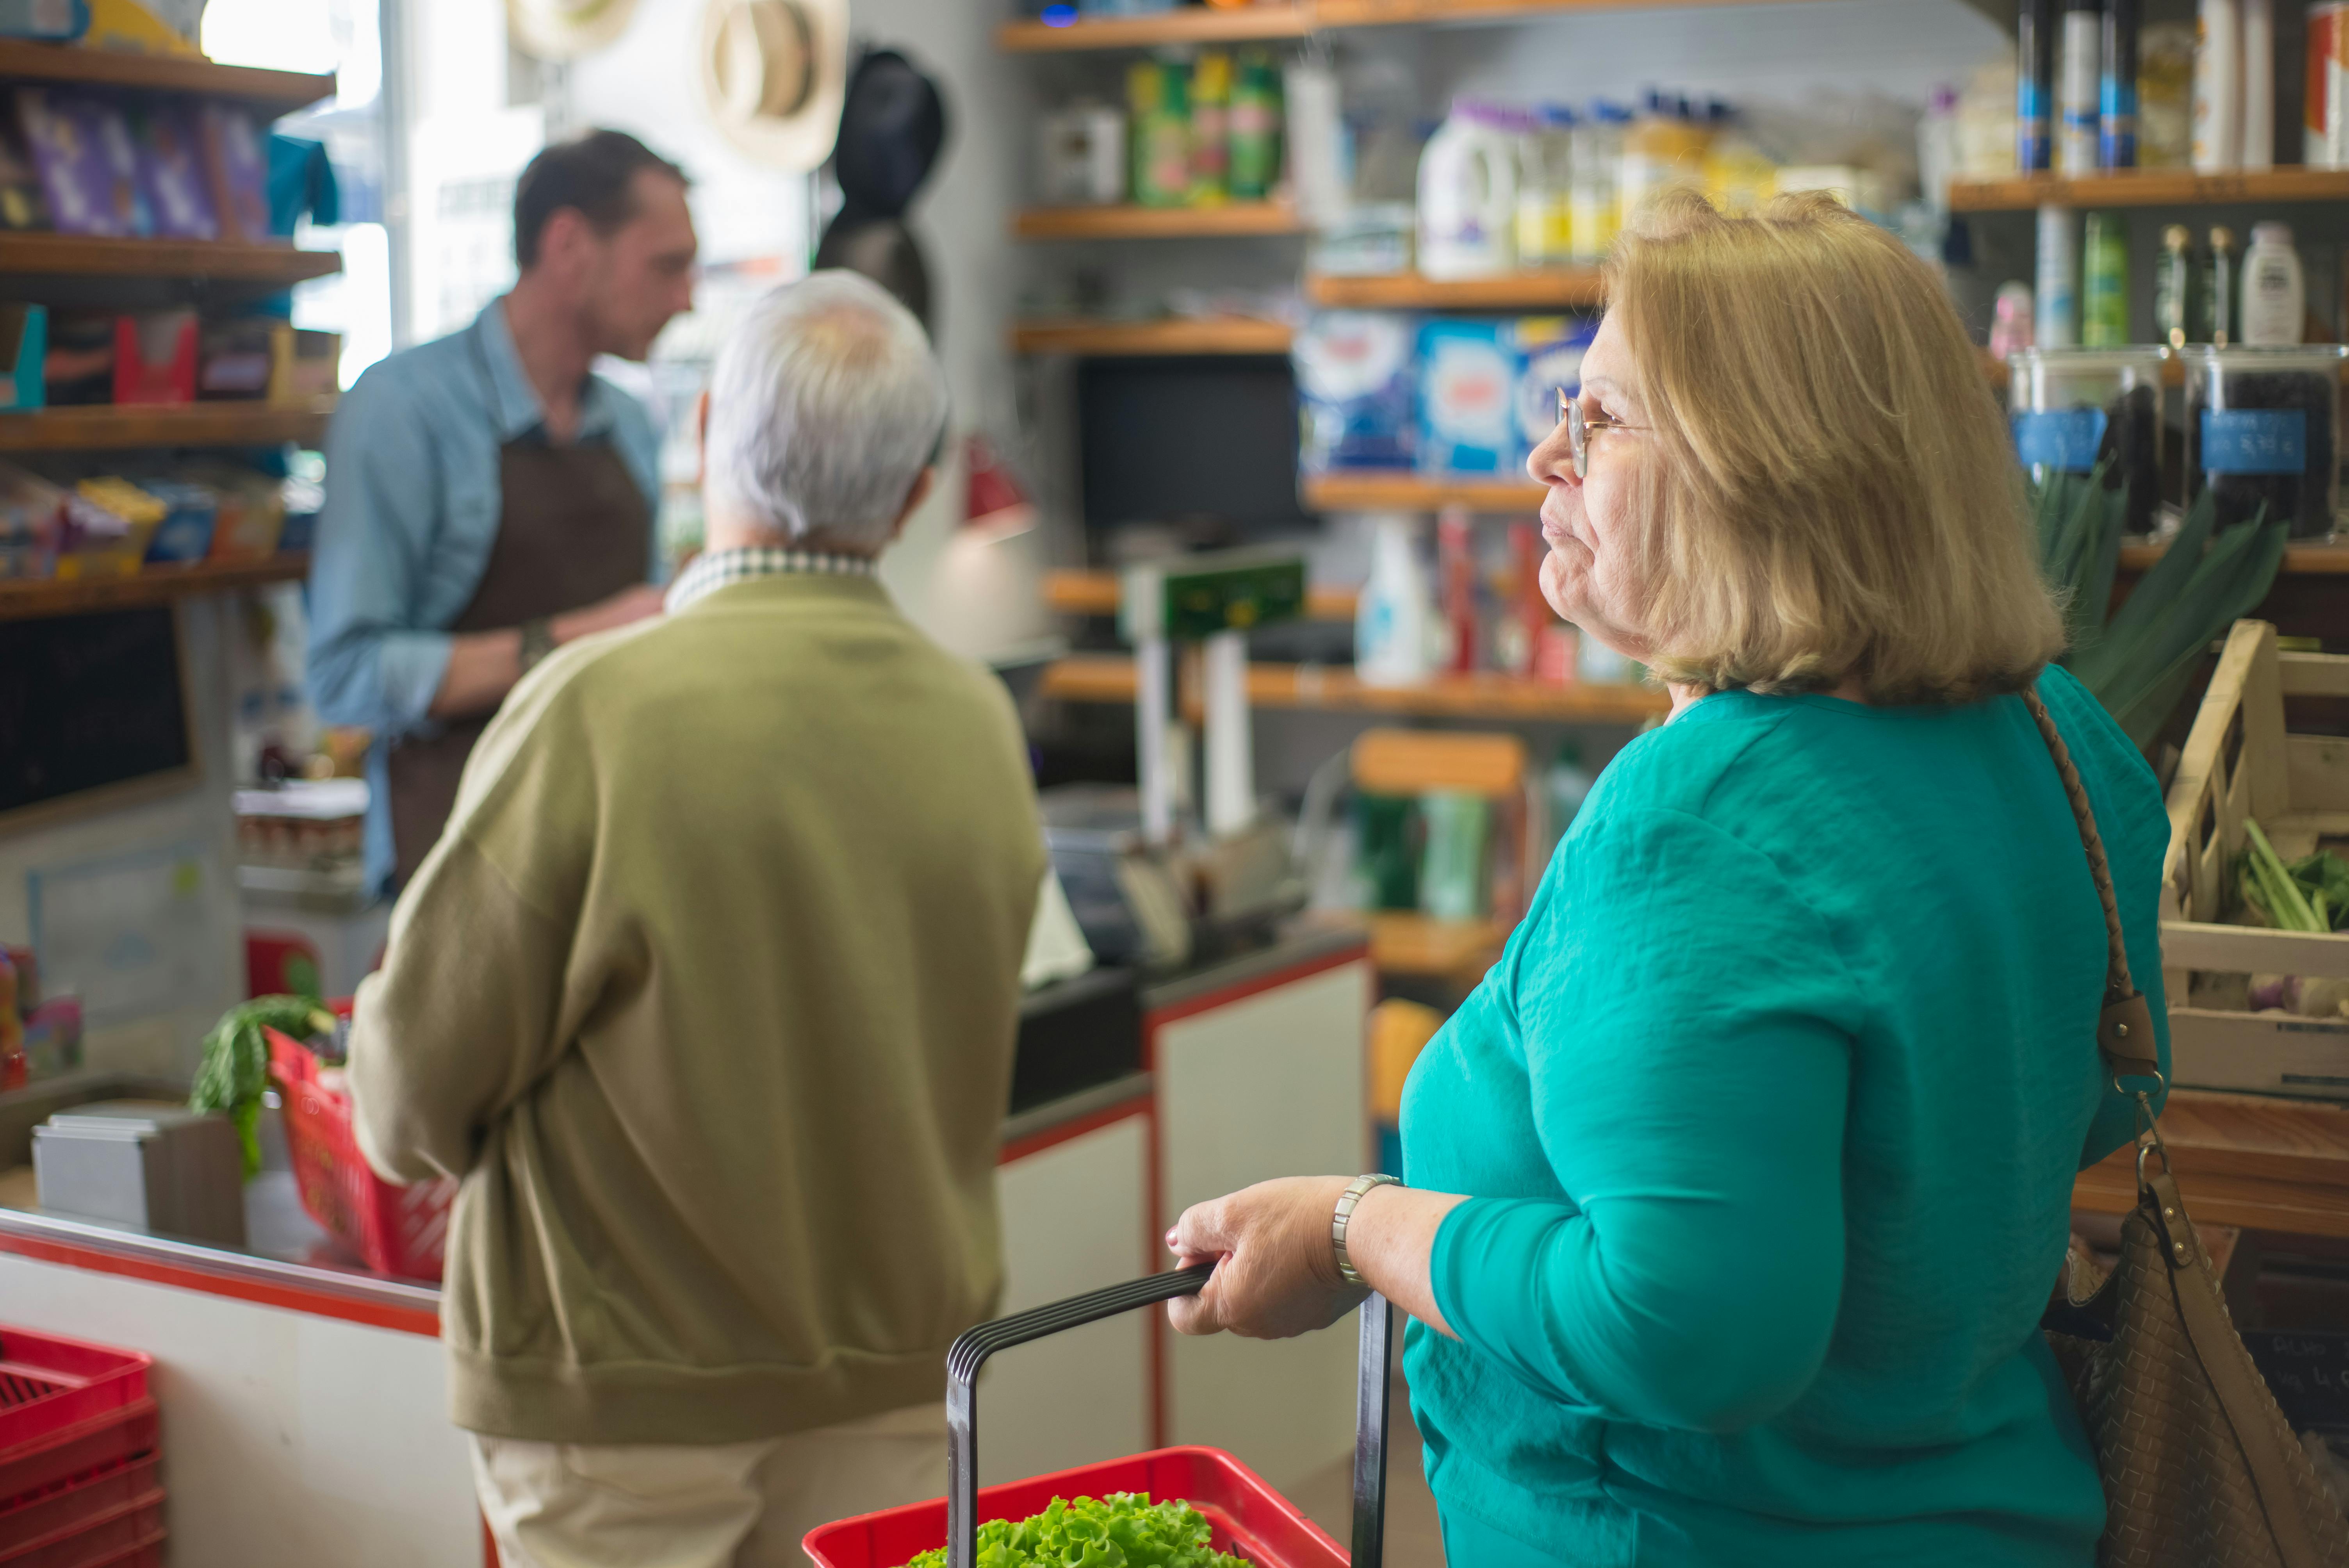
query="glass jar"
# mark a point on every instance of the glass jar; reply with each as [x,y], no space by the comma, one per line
[2263,429]
[2070,408]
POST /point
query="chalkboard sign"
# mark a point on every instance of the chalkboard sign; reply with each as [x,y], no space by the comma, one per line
[89,704]
[2309,1373]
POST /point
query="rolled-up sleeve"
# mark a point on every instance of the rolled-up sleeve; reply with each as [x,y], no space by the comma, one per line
[370,664]
[1694,1278]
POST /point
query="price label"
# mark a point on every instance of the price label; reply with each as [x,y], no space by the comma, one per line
[2061,438]
[2254,441]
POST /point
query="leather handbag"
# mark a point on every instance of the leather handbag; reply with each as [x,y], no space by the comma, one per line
[2201,1469]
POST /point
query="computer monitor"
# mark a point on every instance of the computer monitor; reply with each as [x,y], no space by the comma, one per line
[1196,440]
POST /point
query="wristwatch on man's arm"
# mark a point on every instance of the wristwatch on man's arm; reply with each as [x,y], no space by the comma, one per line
[537,642]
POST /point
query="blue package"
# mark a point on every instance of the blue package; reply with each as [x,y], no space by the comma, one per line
[51,21]
[1549,355]
[185,535]
[1468,373]
[1355,390]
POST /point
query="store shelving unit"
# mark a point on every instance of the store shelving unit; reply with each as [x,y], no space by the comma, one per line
[1364,490]
[1075,592]
[156,585]
[2150,188]
[1546,290]
[274,92]
[2300,561]
[1216,334]
[1234,220]
[112,427]
[2265,1164]
[35,255]
[1110,679]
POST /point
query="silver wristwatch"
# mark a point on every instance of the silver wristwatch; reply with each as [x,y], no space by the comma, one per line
[1346,1202]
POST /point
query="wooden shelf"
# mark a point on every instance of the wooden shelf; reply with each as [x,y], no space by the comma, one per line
[1110,679]
[1236,219]
[2243,1159]
[1201,25]
[203,261]
[156,585]
[109,426]
[2150,188]
[2299,561]
[1544,290]
[1404,943]
[1074,593]
[1217,335]
[1367,490]
[275,91]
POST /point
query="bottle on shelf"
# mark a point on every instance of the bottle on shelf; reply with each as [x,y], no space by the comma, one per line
[2034,84]
[2079,71]
[1597,160]
[1545,188]
[1455,561]
[2173,286]
[1211,128]
[2256,147]
[1468,195]
[1739,177]
[2057,290]
[1394,620]
[2103,281]
[2212,306]
[2218,86]
[2275,298]
[1663,147]
[2011,327]
[1160,137]
[1255,126]
[2116,96]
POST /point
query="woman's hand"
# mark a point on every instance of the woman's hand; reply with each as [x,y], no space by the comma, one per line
[1276,1272]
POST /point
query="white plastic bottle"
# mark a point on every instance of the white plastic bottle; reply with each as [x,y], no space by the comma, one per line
[1468,196]
[2058,291]
[1395,624]
[2275,298]
[1597,162]
[2257,147]
[2080,55]
[2218,86]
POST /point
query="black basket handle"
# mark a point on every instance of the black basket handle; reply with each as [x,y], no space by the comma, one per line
[971,1352]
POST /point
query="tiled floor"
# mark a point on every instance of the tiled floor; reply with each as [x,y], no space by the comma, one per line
[1414,1538]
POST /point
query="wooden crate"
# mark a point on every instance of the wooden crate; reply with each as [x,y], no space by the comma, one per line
[2240,761]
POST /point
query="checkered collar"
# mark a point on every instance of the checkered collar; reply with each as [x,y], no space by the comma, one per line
[725,568]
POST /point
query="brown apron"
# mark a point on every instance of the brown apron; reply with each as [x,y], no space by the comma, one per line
[573,529]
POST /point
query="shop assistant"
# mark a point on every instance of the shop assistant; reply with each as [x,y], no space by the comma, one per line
[487,498]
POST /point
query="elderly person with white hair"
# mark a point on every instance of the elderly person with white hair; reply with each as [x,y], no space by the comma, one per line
[709,994]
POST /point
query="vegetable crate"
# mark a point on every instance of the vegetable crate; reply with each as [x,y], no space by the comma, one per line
[395,1230]
[2240,762]
[1248,1518]
[77,1438]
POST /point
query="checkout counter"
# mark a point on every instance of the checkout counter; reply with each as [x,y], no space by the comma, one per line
[305,1400]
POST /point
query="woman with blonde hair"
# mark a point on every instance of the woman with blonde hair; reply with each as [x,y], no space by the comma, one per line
[1737,1189]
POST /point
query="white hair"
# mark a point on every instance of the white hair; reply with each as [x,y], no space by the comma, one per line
[826,406]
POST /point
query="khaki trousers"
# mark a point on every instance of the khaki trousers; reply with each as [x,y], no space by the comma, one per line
[735,1505]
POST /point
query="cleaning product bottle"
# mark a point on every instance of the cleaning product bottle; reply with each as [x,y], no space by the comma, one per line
[2275,300]
[2034,84]
[2116,98]
[1545,188]
[1662,147]
[1467,196]
[2213,305]
[2080,70]
[1211,143]
[2173,285]
[2058,294]
[1255,126]
[1597,160]
[1394,619]
[1158,91]
[1456,565]
[2257,148]
[2103,278]
[2218,86]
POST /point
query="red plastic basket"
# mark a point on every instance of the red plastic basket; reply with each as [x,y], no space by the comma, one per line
[1250,1518]
[116,1533]
[80,1501]
[1247,1518]
[396,1230]
[66,1407]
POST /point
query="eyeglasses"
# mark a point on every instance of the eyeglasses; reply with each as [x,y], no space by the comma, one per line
[1578,428]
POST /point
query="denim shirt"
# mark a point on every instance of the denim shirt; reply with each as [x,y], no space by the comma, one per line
[412,507]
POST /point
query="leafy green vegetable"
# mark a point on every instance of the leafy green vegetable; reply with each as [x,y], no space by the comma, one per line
[2321,881]
[2324,878]
[1122,1529]
[235,1065]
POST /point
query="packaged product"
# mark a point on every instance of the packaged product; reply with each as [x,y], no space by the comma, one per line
[24,353]
[32,524]
[81,147]
[2073,408]
[1549,351]
[1468,375]
[1355,390]
[155,358]
[171,169]
[1468,195]
[1255,126]
[1211,129]
[234,359]
[239,168]
[251,515]
[2260,427]
[108,523]
[185,535]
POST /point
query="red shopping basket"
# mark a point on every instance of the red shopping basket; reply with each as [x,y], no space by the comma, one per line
[1249,1518]
[66,1407]
[396,1230]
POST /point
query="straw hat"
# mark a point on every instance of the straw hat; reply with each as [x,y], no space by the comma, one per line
[566,29]
[772,74]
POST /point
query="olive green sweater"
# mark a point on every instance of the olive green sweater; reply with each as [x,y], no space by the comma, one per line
[709,994]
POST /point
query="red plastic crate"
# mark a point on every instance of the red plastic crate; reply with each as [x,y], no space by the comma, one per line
[118,1533]
[1250,1518]
[82,1500]
[395,1230]
[66,1407]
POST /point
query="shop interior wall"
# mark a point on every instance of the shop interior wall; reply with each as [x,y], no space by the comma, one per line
[200,937]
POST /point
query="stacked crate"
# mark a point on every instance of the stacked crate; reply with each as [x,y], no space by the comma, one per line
[79,1462]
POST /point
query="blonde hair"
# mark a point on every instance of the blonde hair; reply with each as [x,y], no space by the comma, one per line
[1837,499]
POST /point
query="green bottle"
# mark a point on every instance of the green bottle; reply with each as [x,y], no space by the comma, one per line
[1158,101]
[1254,128]
[2173,286]
[2104,283]
[2213,313]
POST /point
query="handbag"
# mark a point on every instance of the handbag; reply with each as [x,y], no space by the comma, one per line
[2200,1470]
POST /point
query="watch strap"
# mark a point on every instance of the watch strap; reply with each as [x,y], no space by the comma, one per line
[1345,1212]
[537,642]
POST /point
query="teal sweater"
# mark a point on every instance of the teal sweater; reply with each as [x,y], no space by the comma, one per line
[1768,1116]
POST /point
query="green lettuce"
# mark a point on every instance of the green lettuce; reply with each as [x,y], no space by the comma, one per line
[1122,1529]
